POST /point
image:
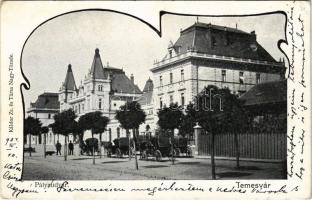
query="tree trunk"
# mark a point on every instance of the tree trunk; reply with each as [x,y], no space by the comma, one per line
[58,137]
[65,149]
[93,160]
[29,145]
[100,145]
[171,143]
[237,149]
[129,150]
[213,167]
[134,147]
[44,145]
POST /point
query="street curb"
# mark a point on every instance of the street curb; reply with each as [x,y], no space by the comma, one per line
[241,159]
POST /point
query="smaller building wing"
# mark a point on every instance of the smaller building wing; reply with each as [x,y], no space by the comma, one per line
[266,93]
[47,100]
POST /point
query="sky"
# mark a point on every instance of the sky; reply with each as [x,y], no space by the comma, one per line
[124,42]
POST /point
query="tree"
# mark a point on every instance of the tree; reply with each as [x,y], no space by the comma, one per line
[188,121]
[55,129]
[130,116]
[44,130]
[219,111]
[32,126]
[238,120]
[170,118]
[95,122]
[64,123]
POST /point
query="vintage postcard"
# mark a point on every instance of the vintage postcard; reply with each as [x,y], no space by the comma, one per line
[155,100]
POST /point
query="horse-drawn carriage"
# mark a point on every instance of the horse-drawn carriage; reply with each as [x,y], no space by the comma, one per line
[119,148]
[164,146]
[158,147]
[89,146]
[181,146]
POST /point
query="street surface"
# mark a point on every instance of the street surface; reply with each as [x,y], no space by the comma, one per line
[81,168]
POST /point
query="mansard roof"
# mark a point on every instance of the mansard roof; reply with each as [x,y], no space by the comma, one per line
[47,100]
[69,83]
[120,82]
[221,41]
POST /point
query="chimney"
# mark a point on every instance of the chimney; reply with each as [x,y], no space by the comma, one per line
[132,78]
[253,33]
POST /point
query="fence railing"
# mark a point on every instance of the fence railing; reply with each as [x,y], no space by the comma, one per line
[272,146]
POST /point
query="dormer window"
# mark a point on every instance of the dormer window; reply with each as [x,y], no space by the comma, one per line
[178,48]
[170,53]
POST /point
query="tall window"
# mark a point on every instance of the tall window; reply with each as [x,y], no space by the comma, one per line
[160,81]
[223,75]
[110,134]
[160,102]
[182,74]
[171,77]
[170,53]
[182,99]
[82,107]
[241,77]
[258,78]
[100,87]
[118,132]
[100,103]
[79,108]
[49,116]
[171,99]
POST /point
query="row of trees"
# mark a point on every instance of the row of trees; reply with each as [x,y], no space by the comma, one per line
[65,124]
[216,110]
[129,115]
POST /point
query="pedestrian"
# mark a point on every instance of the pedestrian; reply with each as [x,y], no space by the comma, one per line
[58,147]
[71,148]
